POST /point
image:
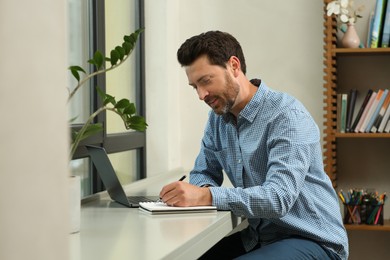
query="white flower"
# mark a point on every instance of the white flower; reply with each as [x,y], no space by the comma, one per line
[343,9]
[333,8]
[344,3]
[344,18]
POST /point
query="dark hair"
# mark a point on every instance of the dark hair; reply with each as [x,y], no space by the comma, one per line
[217,46]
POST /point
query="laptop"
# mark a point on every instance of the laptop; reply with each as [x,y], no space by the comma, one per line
[110,180]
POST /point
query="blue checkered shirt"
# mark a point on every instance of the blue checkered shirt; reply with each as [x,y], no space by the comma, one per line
[272,156]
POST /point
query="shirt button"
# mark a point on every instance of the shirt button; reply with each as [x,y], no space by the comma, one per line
[239,160]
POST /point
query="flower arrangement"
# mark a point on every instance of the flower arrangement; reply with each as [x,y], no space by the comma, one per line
[344,10]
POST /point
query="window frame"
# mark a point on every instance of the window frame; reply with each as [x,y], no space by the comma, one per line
[116,142]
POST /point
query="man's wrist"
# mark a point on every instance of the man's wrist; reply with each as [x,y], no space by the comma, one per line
[208,198]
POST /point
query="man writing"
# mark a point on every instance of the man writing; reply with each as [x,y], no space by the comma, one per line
[268,145]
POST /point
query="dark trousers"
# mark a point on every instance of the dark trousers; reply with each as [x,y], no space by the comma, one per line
[231,247]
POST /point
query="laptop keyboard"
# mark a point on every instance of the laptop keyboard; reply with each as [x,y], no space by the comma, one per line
[138,199]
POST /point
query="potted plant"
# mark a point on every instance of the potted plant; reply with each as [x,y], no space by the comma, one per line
[123,107]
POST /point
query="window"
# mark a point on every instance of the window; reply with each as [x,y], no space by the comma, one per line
[101,25]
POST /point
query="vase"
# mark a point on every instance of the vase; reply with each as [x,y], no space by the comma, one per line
[350,38]
[74,204]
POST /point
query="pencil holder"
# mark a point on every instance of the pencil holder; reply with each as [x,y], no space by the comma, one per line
[363,207]
[352,214]
[374,214]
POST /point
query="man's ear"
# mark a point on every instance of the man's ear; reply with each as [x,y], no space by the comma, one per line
[235,65]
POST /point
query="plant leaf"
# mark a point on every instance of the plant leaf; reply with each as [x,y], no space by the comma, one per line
[131,40]
[98,58]
[75,71]
[121,52]
[105,97]
[137,123]
[130,109]
[123,103]
[127,47]
[100,93]
[73,119]
[114,56]
[78,68]
[91,130]
[137,120]
[92,61]
[75,74]
[109,99]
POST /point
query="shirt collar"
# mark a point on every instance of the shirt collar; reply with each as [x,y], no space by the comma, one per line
[252,108]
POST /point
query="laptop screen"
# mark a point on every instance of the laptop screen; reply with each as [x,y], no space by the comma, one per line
[107,173]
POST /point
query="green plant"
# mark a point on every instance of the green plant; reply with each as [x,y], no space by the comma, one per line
[124,108]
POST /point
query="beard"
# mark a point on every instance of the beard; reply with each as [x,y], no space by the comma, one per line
[227,98]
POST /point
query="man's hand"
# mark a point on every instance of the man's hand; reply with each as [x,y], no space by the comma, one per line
[183,194]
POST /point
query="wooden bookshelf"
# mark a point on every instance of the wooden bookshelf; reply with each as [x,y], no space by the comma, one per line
[362,51]
[362,135]
[384,227]
[354,159]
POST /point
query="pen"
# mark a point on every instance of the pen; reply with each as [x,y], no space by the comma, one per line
[181,179]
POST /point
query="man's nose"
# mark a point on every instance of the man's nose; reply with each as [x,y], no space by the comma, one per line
[202,93]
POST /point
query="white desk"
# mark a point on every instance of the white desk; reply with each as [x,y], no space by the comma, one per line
[110,231]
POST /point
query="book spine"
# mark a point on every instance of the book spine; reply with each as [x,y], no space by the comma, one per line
[351,107]
[363,117]
[371,111]
[386,27]
[344,103]
[381,114]
[361,110]
[369,29]
[376,27]
[385,119]
[387,128]
[338,112]
[376,111]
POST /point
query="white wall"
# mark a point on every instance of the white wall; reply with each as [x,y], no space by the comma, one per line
[282,43]
[33,132]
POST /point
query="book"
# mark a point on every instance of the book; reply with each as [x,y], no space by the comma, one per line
[387,128]
[162,208]
[369,30]
[362,118]
[343,115]
[362,107]
[384,120]
[386,27]
[371,111]
[376,111]
[377,23]
[350,110]
[338,113]
[381,113]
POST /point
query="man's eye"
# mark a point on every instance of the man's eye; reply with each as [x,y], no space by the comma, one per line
[205,81]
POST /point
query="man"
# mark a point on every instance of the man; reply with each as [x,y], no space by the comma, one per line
[269,146]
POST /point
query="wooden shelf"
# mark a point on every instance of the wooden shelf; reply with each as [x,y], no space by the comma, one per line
[362,135]
[361,51]
[384,227]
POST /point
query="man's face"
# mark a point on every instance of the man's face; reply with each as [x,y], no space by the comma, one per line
[214,85]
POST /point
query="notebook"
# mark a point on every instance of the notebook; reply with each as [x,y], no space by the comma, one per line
[162,208]
[107,173]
